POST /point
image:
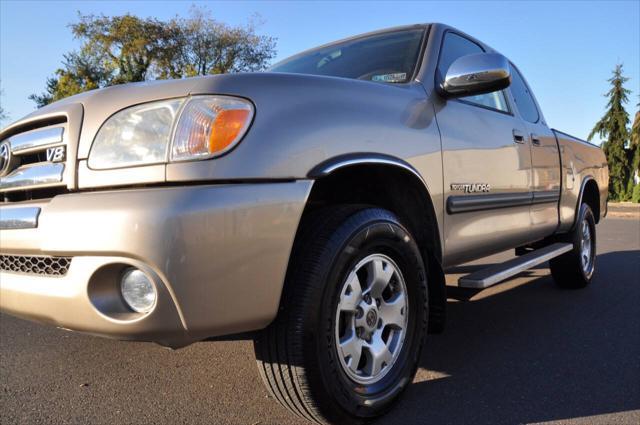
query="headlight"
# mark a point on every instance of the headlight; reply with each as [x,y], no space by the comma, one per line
[198,127]
[138,135]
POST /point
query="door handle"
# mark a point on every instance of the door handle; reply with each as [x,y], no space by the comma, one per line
[518,136]
[535,140]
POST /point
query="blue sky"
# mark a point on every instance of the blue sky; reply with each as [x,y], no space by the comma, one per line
[566,50]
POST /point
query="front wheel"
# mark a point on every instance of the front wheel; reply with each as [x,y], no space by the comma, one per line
[575,269]
[353,316]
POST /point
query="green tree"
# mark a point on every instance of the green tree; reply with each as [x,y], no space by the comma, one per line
[635,129]
[613,128]
[212,47]
[127,46]
[123,49]
[634,156]
[80,72]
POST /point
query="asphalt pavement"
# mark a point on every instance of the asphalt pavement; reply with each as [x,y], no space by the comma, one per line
[521,352]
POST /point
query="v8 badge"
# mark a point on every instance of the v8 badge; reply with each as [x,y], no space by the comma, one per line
[56,154]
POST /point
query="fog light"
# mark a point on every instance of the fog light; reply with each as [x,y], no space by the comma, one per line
[138,291]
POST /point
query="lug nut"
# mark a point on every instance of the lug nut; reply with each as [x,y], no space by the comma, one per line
[367,299]
[359,312]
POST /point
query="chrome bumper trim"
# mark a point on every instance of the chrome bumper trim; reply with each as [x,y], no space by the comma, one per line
[19,218]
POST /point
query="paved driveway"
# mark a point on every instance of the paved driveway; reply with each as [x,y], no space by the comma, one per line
[521,352]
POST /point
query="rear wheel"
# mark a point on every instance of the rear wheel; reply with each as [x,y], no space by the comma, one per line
[575,269]
[353,316]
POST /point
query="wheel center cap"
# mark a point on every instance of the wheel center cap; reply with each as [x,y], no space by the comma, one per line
[371,318]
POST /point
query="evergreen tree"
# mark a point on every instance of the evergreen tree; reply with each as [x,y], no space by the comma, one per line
[613,128]
[634,156]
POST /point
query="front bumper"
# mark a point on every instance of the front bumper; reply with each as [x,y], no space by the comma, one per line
[217,254]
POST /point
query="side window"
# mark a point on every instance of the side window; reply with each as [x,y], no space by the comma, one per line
[454,47]
[522,97]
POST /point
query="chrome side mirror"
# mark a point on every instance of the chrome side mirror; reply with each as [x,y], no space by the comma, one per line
[476,74]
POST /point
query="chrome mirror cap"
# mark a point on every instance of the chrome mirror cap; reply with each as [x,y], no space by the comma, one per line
[476,74]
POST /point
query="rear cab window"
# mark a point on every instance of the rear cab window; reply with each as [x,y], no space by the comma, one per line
[455,46]
[390,57]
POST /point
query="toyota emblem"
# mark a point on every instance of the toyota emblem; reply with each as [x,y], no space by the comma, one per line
[5,158]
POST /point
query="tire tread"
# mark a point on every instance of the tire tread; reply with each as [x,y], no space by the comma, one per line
[566,269]
[285,381]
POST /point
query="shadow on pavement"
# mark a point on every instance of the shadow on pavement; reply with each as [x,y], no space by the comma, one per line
[534,353]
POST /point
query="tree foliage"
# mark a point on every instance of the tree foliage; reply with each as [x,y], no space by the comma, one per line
[80,72]
[123,49]
[212,47]
[612,127]
[635,129]
[634,157]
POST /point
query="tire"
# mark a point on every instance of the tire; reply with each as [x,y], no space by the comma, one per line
[299,357]
[575,269]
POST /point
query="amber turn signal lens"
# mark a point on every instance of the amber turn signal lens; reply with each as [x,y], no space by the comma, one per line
[210,126]
[226,128]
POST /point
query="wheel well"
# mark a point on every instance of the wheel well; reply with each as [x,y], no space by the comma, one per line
[591,197]
[403,193]
[383,186]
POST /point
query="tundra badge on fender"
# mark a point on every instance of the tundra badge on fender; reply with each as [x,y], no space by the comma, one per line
[471,187]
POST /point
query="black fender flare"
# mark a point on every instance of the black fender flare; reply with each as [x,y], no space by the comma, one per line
[583,185]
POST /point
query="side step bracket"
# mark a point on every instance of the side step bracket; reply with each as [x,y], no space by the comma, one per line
[499,272]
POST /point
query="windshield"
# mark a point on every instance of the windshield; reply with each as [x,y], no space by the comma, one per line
[388,57]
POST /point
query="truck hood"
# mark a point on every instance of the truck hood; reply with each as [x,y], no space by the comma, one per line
[98,105]
[300,121]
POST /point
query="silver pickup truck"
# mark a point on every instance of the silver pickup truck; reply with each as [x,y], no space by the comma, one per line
[314,208]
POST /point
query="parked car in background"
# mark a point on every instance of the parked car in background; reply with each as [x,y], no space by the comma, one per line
[315,207]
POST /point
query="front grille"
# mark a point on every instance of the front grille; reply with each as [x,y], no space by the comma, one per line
[37,265]
[32,160]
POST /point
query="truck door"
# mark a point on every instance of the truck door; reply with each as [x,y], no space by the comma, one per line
[487,168]
[545,159]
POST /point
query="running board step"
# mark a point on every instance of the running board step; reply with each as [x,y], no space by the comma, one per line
[499,272]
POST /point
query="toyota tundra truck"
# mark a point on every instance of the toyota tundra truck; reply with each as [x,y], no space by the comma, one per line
[314,208]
